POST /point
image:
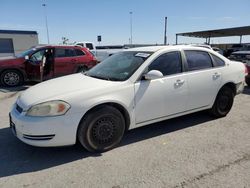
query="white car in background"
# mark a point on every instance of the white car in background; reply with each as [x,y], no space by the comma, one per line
[130,89]
[100,54]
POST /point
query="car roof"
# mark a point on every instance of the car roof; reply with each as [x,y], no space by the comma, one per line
[169,47]
[147,48]
[202,45]
[57,46]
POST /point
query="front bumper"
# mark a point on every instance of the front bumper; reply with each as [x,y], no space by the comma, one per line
[45,131]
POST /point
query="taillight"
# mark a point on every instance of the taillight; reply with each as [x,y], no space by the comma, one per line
[93,63]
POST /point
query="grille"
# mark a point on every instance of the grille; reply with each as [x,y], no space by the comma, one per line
[38,137]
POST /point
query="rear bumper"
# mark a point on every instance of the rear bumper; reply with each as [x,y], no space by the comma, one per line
[239,87]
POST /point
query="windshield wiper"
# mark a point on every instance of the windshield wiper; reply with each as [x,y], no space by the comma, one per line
[101,77]
[98,77]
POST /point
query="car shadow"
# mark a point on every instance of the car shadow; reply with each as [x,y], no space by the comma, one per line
[17,157]
[16,89]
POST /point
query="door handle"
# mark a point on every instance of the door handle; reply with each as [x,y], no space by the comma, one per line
[179,82]
[73,60]
[216,75]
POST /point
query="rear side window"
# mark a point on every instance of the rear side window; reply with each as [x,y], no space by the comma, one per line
[64,52]
[89,46]
[79,52]
[167,64]
[218,62]
[197,60]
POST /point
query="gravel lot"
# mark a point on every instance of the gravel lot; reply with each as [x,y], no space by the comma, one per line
[192,151]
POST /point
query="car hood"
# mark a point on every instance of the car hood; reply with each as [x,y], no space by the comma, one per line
[10,60]
[56,89]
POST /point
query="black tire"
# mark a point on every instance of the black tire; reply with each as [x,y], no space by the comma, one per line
[82,69]
[101,129]
[11,78]
[223,102]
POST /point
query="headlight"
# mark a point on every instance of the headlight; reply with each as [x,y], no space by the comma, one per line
[51,108]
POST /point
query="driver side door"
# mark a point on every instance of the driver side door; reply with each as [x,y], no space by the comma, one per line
[32,66]
[160,98]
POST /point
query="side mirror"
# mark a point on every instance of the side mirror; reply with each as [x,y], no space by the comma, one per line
[153,74]
[26,57]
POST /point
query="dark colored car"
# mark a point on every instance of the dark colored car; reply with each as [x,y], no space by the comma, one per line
[43,63]
[244,57]
[237,47]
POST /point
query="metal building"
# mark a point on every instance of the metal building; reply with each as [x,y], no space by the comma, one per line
[15,41]
[226,32]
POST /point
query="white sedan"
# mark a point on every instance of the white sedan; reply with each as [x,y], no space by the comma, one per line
[130,89]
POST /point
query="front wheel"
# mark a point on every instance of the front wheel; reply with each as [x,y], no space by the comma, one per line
[11,78]
[223,102]
[102,129]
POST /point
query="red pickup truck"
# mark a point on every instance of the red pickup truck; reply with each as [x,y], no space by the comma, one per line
[44,62]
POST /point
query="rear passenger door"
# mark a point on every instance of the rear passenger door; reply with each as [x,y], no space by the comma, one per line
[204,79]
[65,61]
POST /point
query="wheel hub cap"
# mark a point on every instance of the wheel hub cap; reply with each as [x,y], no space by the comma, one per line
[11,78]
[103,130]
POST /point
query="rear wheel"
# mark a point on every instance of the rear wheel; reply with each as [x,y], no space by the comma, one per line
[82,69]
[102,129]
[223,102]
[11,78]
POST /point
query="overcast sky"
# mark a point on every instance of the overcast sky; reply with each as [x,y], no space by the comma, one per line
[83,20]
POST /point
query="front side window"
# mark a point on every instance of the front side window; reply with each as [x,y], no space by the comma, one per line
[120,66]
[79,52]
[37,56]
[89,46]
[197,60]
[167,64]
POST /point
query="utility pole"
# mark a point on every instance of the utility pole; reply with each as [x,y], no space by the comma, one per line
[131,28]
[46,21]
[165,32]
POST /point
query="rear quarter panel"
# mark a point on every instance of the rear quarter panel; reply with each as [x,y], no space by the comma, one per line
[233,72]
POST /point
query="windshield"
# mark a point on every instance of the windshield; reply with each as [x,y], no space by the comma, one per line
[120,66]
[27,52]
